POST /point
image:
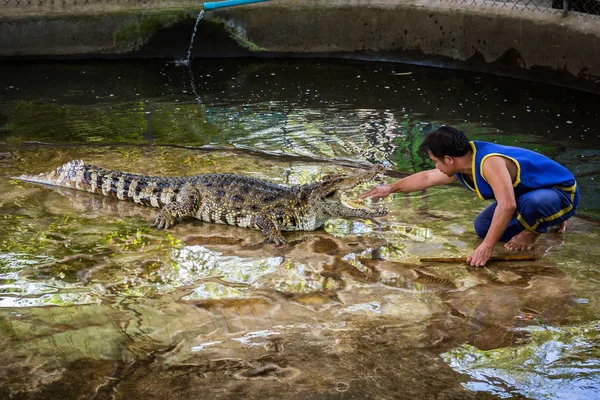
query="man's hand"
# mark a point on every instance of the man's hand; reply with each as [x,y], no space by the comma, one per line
[480,256]
[377,192]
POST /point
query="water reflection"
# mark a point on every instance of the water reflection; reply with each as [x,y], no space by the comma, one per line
[94,302]
[543,368]
[357,111]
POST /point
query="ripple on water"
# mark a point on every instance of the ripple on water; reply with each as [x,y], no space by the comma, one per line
[210,311]
[558,363]
[16,292]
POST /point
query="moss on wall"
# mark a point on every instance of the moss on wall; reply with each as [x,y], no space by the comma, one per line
[235,32]
[141,26]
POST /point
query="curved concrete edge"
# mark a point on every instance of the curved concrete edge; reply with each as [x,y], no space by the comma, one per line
[541,46]
[534,45]
[97,34]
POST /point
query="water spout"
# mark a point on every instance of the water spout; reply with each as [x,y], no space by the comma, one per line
[229,3]
[189,53]
[212,6]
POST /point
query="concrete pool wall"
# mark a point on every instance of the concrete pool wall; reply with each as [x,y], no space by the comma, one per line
[532,44]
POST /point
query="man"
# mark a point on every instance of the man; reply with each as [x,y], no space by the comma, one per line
[532,192]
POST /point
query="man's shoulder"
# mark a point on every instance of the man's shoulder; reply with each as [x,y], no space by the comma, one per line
[482,145]
[501,149]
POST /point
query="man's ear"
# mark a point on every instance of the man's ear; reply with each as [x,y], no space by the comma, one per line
[448,160]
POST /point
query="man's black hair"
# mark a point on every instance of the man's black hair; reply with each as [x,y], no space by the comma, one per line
[446,141]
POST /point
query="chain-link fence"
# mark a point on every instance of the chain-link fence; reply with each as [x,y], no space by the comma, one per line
[40,7]
[583,8]
[67,5]
[70,2]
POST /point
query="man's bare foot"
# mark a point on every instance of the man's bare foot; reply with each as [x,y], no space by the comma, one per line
[562,227]
[523,241]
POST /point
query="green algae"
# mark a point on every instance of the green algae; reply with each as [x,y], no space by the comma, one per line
[235,32]
[122,123]
[200,283]
[408,157]
[140,26]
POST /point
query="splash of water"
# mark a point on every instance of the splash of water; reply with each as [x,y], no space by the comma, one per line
[189,53]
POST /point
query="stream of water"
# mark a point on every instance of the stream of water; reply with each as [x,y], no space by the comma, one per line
[188,58]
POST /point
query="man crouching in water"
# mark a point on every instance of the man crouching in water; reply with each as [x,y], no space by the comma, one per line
[532,192]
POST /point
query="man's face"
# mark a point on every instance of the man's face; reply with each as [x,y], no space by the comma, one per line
[445,164]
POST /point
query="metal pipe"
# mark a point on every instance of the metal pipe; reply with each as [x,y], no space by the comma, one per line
[565,8]
[229,3]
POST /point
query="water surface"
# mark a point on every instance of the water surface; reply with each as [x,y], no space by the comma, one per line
[97,304]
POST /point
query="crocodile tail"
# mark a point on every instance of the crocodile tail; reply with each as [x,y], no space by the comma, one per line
[76,175]
[67,175]
[140,189]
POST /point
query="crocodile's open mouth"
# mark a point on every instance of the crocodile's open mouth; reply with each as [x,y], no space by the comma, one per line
[356,204]
[337,185]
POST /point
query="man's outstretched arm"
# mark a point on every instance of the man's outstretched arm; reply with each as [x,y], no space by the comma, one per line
[413,183]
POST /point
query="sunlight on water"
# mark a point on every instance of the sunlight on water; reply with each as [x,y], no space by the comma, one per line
[556,363]
[196,262]
[16,291]
[96,303]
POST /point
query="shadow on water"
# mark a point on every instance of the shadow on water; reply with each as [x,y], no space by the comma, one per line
[96,304]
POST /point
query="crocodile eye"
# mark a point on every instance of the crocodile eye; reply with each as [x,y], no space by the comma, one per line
[331,195]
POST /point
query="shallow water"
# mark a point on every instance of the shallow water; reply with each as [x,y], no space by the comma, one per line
[96,304]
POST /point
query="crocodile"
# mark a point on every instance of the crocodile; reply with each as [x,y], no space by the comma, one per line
[223,198]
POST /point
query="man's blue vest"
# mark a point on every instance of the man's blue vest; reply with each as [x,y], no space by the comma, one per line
[534,171]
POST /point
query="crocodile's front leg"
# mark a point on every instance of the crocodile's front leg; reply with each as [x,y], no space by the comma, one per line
[186,204]
[269,227]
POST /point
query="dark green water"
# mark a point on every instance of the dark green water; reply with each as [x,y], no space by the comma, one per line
[96,304]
